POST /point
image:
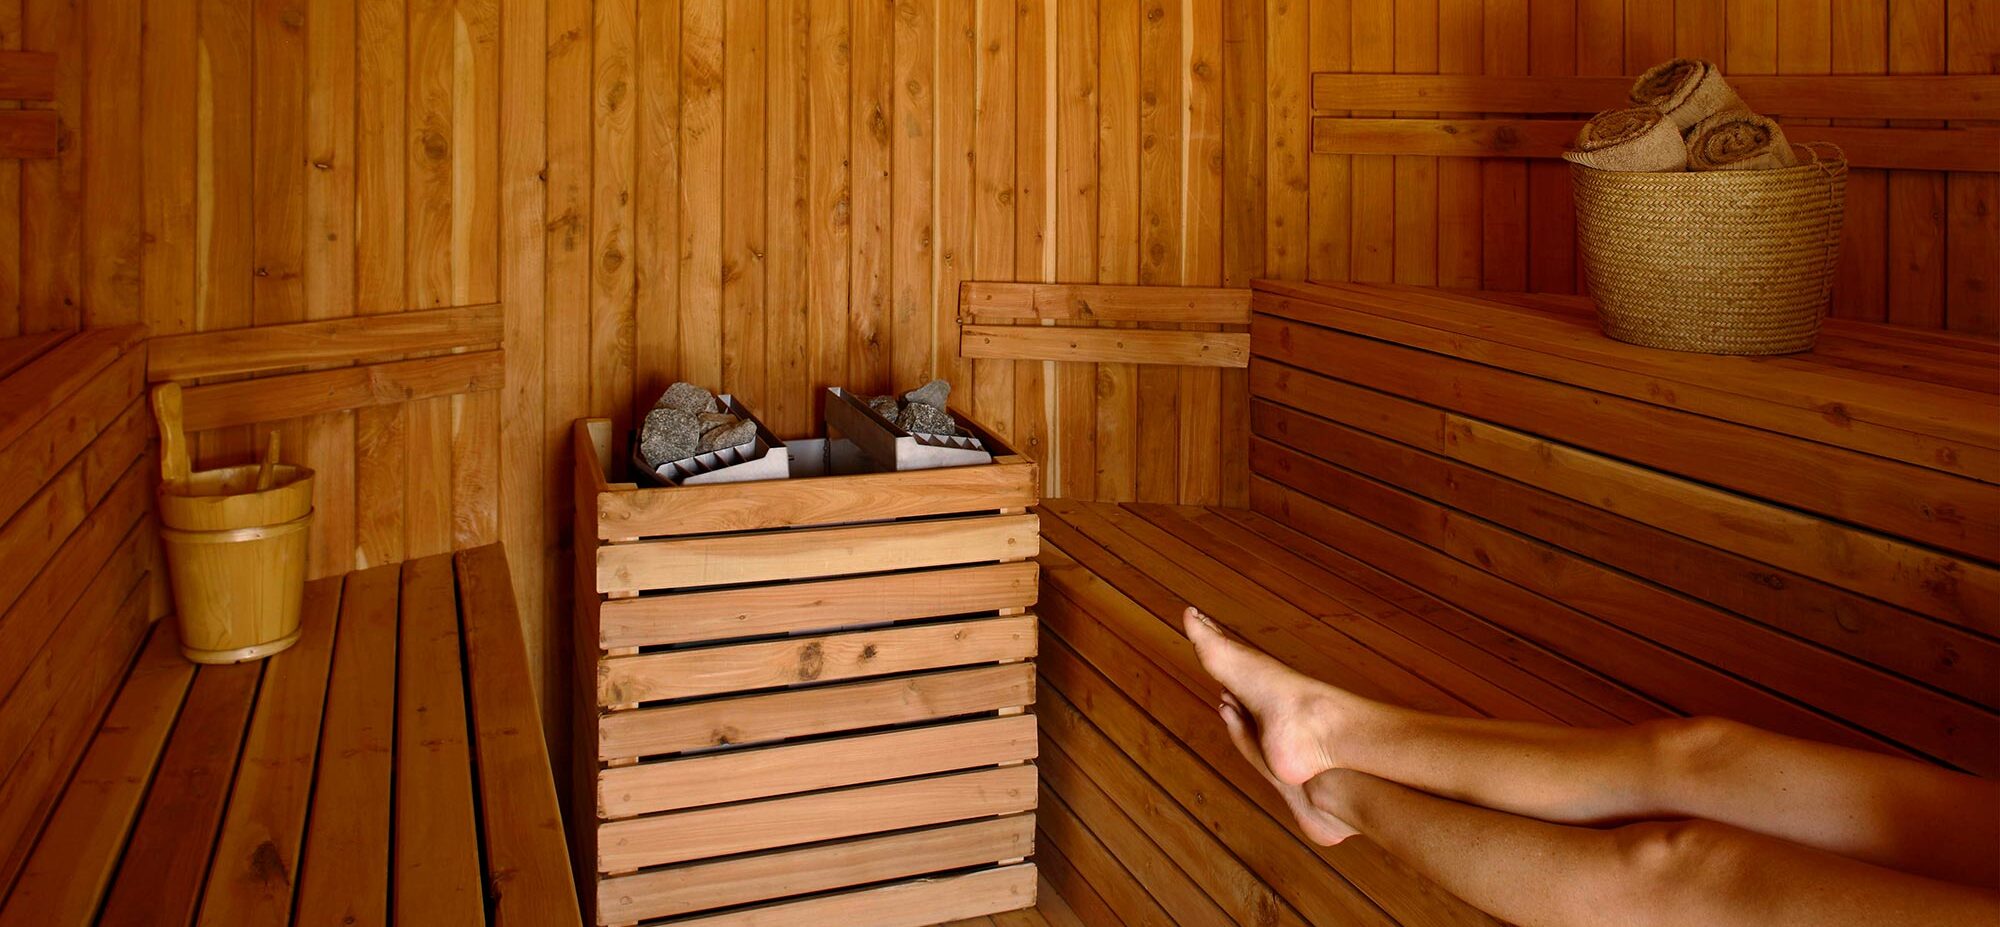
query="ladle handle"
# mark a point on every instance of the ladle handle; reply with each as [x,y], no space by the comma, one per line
[173,442]
[269,471]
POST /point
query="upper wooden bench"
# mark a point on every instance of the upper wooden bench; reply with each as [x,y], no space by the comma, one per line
[387,769]
[1475,504]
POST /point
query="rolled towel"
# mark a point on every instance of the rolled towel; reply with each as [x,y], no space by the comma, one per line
[1738,141]
[1687,90]
[1637,139]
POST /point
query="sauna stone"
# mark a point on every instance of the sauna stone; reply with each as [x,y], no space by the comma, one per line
[924,418]
[727,434]
[669,434]
[688,397]
[885,406]
[936,394]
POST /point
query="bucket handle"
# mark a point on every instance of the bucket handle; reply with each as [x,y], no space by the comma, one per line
[173,441]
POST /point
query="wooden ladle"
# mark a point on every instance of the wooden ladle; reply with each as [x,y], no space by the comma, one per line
[173,440]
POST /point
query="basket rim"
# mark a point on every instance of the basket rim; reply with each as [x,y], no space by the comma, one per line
[1824,167]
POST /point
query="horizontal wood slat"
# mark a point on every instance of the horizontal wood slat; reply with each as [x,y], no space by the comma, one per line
[1902,96]
[799,819]
[331,341]
[1927,149]
[40,385]
[706,885]
[824,658]
[270,399]
[27,75]
[738,775]
[915,903]
[803,606]
[812,552]
[1106,345]
[980,301]
[752,506]
[751,719]
[30,134]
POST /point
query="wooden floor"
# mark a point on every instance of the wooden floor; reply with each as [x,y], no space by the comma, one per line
[1050,910]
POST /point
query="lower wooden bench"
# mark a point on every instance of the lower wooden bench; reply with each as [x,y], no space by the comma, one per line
[388,769]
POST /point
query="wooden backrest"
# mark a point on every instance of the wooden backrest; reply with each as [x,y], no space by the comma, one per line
[1903,97]
[78,554]
[1730,536]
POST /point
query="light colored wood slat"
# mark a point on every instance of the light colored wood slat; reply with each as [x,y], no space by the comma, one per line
[49,444]
[751,719]
[708,885]
[1954,149]
[813,552]
[27,625]
[983,301]
[339,341]
[1107,346]
[244,402]
[824,658]
[527,866]
[33,390]
[792,607]
[27,75]
[1917,504]
[799,819]
[343,872]
[737,775]
[436,878]
[66,877]
[754,506]
[160,880]
[1903,96]
[256,860]
[1915,423]
[901,904]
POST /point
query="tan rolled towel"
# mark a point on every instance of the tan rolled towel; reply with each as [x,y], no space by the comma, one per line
[1637,139]
[1738,141]
[1687,90]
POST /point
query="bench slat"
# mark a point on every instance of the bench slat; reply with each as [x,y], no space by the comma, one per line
[256,860]
[528,874]
[344,879]
[437,878]
[167,862]
[73,863]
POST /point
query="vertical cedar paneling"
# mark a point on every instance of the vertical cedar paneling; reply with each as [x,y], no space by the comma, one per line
[1595,19]
[1034,212]
[1117,233]
[991,162]
[1372,39]
[872,48]
[656,211]
[1859,44]
[12,24]
[1503,259]
[702,139]
[961,64]
[613,102]
[1287,85]
[788,374]
[830,208]
[1551,213]
[1206,451]
[1162,185]
[911,184]
[1416,191]
[742,217]
[1972,201]
[52,189]
[1077,170]
[1460,183]
[1329,206]
[328,261]
[1916,241]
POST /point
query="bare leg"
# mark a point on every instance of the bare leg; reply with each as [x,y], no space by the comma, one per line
[1878,809]
[1654,874]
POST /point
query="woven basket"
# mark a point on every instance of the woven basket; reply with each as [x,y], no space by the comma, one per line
[1721,262]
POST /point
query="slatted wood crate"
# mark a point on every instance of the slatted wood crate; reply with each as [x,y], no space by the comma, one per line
[804,701]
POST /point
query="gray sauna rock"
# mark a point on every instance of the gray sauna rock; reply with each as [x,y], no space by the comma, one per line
[924,418]
[885,406]
[669,434]
[731,434]
[936,394]
[688,397]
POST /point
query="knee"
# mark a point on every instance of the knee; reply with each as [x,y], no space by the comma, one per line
[1692,748]
[1659,860]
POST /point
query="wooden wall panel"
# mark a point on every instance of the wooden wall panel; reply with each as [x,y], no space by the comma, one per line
[773,197]
[1921,246]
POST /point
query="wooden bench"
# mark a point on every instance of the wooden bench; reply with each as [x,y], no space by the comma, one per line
[389,768]
[1476,505]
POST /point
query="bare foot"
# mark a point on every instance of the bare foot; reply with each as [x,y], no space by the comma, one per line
[1294,715]
[1318,826]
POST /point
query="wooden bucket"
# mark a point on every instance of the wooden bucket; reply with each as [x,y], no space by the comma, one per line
[238,560]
